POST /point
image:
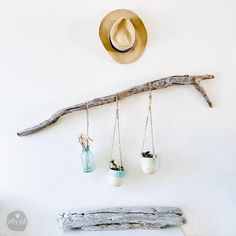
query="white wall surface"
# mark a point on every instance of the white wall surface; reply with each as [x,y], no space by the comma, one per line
[51,57]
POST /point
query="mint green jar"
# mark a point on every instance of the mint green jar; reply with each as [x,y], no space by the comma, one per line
[87,159]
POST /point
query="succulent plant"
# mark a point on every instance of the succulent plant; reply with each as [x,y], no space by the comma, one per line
[148,154]
[114,166]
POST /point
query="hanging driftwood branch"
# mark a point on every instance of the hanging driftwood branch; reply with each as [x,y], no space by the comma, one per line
[122,218]
[156,84]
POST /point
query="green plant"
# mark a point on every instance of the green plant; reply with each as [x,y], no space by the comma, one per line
[148,154]
[114,166]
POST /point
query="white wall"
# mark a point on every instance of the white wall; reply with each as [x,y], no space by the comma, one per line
[51,57]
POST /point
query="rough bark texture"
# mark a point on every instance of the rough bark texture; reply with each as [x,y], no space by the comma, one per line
[122,218]
[156,84]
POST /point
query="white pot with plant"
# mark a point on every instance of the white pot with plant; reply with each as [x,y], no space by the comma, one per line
[149,162]
[117,172]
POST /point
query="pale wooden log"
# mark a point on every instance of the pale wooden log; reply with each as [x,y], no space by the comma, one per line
[203,92]
[122,218]
[156,84]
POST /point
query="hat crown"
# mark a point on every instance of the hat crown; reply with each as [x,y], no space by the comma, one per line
[122,34]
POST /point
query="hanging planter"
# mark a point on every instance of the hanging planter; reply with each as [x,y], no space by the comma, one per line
[149,160]
[87,157]
[117,172]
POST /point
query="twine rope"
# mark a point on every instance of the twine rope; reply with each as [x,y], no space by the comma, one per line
[117,128]
[149,116]
[84,138]
[87,118]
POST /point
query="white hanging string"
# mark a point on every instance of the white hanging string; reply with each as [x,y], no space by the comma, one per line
[149,116]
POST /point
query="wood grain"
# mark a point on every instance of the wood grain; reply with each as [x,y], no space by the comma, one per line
[122,218]
[156,84]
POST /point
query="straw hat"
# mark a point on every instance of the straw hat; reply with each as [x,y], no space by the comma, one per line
[123,35]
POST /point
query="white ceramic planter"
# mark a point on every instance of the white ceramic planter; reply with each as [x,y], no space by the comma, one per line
[149,165]
[116,177]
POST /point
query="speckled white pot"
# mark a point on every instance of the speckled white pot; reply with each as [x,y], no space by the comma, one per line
[149,165]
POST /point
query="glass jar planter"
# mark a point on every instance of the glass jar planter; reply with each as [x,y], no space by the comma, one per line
[87,159]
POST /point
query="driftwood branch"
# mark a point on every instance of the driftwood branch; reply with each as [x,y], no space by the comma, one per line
[156,84]
[122,218]
[203,92]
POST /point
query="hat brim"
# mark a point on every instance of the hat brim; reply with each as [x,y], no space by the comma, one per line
[140,36]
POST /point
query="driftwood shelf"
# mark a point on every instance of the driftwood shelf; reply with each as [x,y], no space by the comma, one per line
[156,84]
[122,218]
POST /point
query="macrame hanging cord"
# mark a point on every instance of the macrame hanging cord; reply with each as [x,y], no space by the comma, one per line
[149,116]
[117,128]
[87,117]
